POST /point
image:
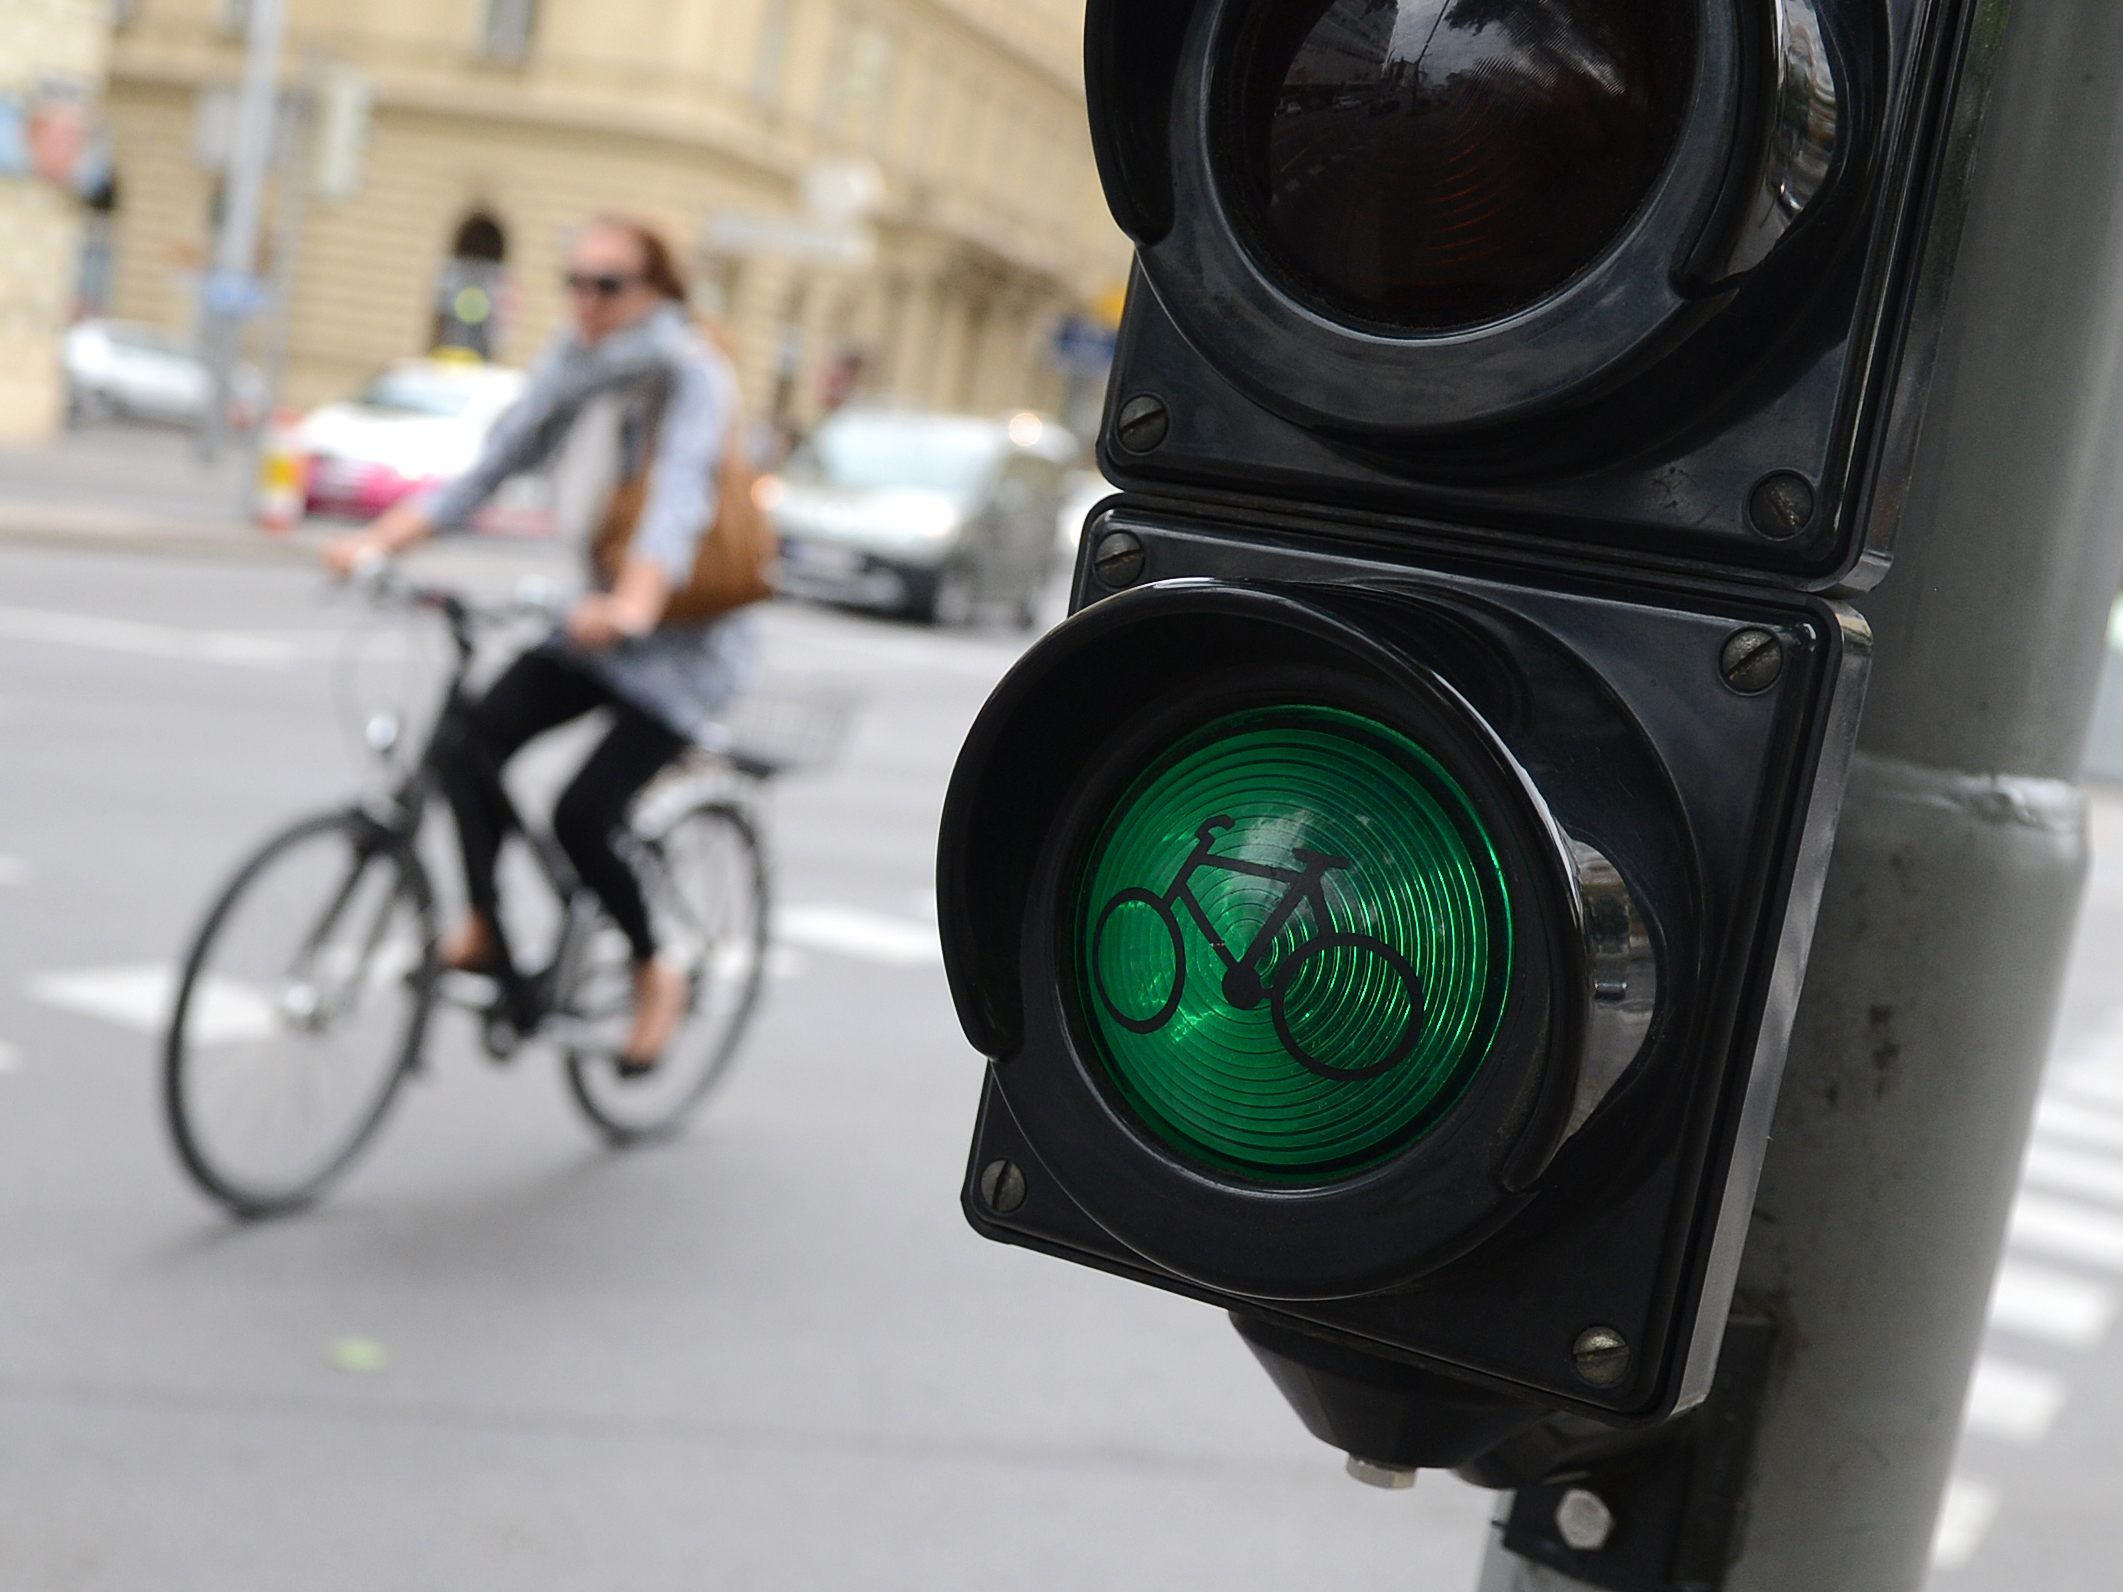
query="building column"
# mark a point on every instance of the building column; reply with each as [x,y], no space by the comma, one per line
[44,42]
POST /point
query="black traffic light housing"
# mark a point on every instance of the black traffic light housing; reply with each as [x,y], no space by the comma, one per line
[1564,506]
[1565,1195]
[1712,389]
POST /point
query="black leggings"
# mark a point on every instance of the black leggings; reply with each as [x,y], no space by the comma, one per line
[535,694]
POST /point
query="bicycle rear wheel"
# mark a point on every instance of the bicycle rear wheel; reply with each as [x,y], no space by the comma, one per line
[303,1003]
[706,879]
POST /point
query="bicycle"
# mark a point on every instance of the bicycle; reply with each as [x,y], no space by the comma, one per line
[308,991]
[1244,986]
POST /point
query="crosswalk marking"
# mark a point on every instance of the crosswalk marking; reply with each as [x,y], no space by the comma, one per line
[2091,1086]
[2051,1306]
[141,998]
[2066,1230]
[10,1060]
[226,1011]
[13,871]
[2013,1403]
[2066,1119]
[141,639]
[871,936]
[2066,1171]
[1964,1519]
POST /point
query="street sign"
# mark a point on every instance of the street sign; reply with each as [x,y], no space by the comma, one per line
[1383,902]
[1084,347]
[233,295]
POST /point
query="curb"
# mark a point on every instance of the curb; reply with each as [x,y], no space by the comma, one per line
[76,529]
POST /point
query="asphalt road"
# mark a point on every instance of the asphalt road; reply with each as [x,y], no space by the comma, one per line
[769,1355]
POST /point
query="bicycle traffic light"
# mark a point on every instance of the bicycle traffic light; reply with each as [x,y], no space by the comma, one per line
[1383,902]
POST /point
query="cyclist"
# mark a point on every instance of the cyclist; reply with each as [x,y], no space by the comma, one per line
[634,355]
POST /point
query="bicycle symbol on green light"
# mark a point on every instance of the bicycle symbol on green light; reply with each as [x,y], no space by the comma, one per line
[1245,987]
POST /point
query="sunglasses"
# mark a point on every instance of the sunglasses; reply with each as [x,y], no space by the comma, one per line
[585,285]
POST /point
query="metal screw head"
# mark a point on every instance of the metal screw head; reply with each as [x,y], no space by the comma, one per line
[1394,1478]
[1781,505]
[1119,559]
[1143,424]
[1002,1187]
[1601,1355]
[1584,1521]
[1752,661]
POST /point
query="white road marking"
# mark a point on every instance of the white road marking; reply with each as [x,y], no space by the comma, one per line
[2013,1403]
[2051,1306]
[2065,1230]
[2096,1086]
[2065,1171]
[10,1060]
[140,998]
[142,639]
[871,936]
[1964,1520]
[2065,1119]
[13,871]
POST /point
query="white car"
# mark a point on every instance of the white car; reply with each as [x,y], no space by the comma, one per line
[932,515]
[120,370]
[419,423]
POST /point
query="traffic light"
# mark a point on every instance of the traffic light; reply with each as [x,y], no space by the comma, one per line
[1383,902]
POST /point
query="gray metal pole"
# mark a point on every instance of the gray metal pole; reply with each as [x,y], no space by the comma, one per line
[294,188]
[1952,899]
[242,204]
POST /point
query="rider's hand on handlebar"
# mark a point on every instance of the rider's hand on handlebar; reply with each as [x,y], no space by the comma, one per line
[389,534]
[352,554]
[596,622]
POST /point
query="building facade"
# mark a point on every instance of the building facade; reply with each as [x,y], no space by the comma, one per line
[51,72]
[887,196]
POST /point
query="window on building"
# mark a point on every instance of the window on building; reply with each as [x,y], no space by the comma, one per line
[234,15]
[471,287]
[771,59]
[506,29]
[859,88]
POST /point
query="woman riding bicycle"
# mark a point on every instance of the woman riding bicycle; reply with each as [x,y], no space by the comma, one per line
[634,355]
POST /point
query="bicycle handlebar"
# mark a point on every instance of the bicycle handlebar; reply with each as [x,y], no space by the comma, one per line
[384,585]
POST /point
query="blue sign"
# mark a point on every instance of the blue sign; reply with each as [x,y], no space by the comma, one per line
[1083,346]
[233,295]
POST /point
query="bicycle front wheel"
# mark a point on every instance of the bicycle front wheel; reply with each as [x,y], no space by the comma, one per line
[706,882]
[303,1003]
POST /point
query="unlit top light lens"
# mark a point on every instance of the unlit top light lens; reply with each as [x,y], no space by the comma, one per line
[1433,164]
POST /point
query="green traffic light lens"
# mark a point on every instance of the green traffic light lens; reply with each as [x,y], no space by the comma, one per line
[1293,941]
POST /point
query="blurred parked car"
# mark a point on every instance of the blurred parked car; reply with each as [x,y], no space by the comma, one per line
[119,370]
[937,516]
[1086,490]
[419,423]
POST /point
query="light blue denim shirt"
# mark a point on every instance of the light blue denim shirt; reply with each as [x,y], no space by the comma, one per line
[684,390]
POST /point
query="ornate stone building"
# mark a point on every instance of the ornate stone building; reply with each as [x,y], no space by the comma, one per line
[51,68]
[893,194]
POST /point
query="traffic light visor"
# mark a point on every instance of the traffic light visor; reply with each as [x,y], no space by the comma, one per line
[1293,943]
[1433,164]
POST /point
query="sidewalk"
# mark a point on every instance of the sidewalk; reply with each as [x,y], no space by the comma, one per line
[134,488]
[144,489]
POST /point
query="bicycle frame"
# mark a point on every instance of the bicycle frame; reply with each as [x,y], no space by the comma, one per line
[530,998]
[1244,987]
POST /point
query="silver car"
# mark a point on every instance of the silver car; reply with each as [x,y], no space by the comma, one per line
[120,370]
[932,515]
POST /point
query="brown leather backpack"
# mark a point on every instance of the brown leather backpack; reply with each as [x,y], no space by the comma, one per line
[734,566]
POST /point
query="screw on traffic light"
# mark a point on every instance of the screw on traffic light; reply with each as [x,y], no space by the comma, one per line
[1383,901]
